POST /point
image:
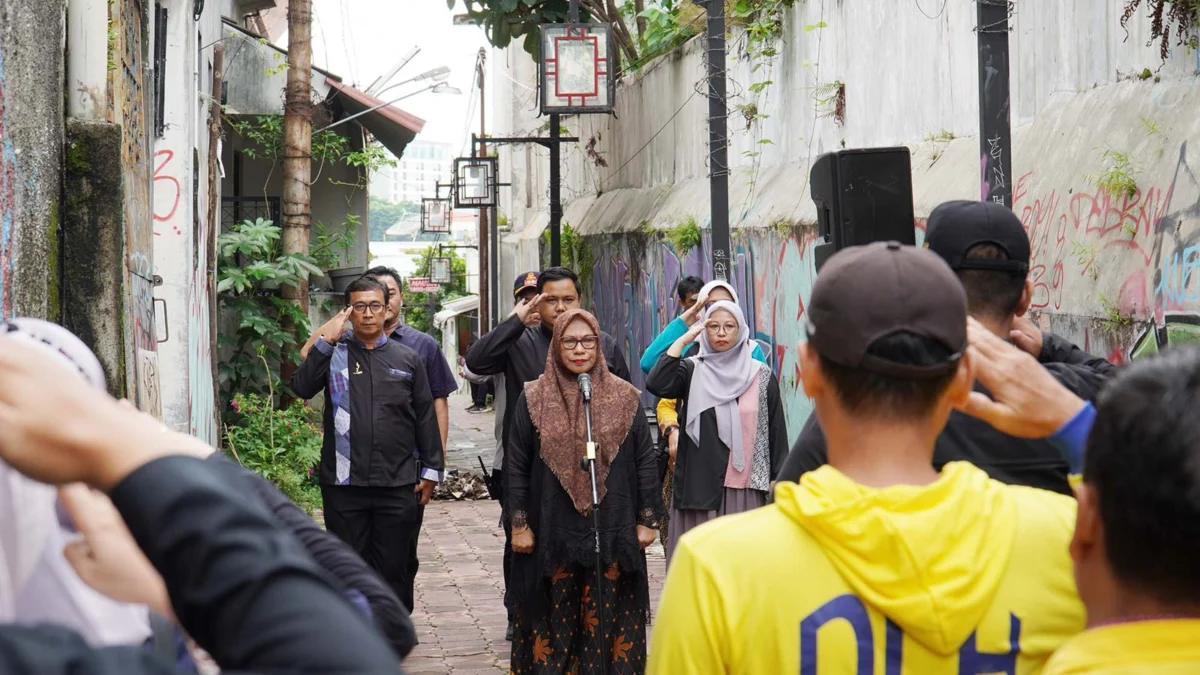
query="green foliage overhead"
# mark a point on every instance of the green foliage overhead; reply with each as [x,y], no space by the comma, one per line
[506,20]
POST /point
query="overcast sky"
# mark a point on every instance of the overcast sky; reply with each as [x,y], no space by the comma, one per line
[362,39]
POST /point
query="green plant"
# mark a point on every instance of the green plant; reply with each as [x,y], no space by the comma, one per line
[1113,317]
[685,236]
[250,270]
[576,255]
[668,24]
[265,136]
[1164,15]
[1151,127]
[1117,176]
[941,137]
[282,446]
[416,305]
[831,101]
[330,245]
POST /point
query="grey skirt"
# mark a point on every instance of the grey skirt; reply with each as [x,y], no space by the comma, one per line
[734,501]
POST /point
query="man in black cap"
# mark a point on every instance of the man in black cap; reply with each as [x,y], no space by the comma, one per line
[988,249]
[877,562]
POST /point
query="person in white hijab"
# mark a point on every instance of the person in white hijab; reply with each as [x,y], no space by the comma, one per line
[37,583]
[736,434]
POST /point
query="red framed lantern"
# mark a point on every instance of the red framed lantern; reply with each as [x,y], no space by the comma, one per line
[577,73]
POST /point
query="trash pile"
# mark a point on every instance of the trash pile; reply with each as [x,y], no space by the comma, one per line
[459,485]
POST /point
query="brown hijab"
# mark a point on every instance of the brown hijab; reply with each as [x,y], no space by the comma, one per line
[556,407]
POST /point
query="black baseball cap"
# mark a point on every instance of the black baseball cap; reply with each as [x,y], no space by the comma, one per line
[954,227]
[525,280]
[865,293]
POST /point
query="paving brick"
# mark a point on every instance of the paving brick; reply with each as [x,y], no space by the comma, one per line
[459,613]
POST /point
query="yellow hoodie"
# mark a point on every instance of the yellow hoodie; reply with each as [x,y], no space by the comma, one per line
[965,576]
[1167,647]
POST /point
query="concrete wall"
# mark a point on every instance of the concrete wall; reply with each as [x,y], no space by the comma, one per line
[181,218]
[31,146]
[1112,272]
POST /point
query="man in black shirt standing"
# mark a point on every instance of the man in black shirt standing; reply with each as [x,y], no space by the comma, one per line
[988,248]
[518,351]
[380,431]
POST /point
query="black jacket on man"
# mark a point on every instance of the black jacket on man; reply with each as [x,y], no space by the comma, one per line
[241,586]
[392,421]
[333,555]
[519,353]
[1011,460]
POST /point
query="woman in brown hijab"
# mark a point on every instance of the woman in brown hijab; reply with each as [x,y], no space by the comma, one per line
[568,621]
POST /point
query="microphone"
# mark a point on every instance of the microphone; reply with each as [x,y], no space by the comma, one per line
[585,386]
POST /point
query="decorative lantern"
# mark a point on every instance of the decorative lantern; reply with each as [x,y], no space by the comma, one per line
[435,215]
[576,63]
[439,270]
[475,182]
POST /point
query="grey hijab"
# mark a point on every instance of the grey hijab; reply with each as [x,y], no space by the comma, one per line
[718,379]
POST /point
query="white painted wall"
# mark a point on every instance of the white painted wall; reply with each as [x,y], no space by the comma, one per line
[181,224]
[907,77]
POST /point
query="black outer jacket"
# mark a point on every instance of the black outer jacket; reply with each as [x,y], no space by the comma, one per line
[1015,461]
[519,352]
[241,586]
[392,420]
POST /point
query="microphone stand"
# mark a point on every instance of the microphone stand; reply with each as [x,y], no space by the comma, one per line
[591,462]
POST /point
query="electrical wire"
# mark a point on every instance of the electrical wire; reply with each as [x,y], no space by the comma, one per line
[927,16]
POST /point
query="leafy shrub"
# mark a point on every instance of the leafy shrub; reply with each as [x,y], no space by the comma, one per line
[283,446]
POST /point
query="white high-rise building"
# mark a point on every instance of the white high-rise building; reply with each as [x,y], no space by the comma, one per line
[424,164]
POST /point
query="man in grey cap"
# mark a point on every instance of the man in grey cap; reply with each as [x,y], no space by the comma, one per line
[988,250]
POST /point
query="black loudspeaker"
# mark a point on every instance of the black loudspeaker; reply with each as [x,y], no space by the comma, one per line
[862,196]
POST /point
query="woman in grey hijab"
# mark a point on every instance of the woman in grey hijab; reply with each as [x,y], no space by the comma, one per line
[735,436]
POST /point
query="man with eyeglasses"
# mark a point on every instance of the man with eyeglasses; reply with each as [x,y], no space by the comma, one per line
[382,453]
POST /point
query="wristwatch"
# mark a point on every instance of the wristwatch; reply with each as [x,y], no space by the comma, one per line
[667,432]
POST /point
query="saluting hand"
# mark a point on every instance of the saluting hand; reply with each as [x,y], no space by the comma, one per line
[332,330]
[692,314]
[525,308]
[1026,401]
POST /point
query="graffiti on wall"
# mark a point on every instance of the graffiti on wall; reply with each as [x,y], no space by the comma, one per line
[1150,241]
[128,108]
[632,293]
[201,389]
[8,204]
[168,193]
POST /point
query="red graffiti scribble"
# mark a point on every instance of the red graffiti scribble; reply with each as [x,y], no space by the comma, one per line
[160,166]
[1101,221]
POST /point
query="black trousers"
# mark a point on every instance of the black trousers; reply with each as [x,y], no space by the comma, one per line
[479,393]
[507,525]
[383,526]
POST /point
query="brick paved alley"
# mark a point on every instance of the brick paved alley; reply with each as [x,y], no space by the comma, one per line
[459,611]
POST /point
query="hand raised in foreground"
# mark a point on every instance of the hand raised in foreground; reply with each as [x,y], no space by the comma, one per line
[1026,400]
[58,429]
[107,558]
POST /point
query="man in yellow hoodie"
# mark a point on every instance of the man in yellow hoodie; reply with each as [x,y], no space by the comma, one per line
[876,564]
[1137,536]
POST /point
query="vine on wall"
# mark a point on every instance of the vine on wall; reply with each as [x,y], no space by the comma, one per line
[1167,17]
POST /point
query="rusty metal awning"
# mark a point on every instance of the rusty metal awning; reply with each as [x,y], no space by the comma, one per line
[391,126]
